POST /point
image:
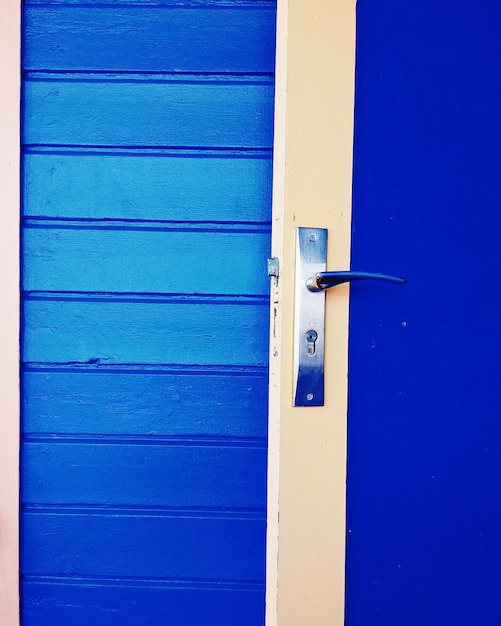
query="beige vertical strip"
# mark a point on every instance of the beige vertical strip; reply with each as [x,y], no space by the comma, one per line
[9,310]
[312,188]
[275,393]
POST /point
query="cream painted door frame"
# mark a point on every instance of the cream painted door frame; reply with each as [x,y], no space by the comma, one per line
[312,187]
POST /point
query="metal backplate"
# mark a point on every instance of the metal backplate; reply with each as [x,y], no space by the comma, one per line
[309,318]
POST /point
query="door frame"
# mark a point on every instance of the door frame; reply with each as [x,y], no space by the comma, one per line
[312,187]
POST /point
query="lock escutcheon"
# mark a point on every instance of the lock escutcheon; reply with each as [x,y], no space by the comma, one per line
[311,339]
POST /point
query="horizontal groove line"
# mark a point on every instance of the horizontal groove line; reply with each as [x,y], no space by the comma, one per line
[169,4]
[61,223]
[168,74]
[252,513]
[151,298]
[151,78]
[108,581]
[141,150]
[191,441]
[175,152]
[142,369]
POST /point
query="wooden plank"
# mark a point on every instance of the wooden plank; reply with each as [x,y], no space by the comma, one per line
[127,472]
[232,39]
[211,403]
[158,3]
[163,547]
[163,185]
[119,603]
[111,331]
[120,111]
[122,259]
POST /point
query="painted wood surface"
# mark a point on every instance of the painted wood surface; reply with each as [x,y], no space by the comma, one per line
[170,185]
[118,110]
[146,204]
[168,401]
[424,504]
[64,256]
[238,39]
[118,470]
[170,545]
[131,603]
[112,330]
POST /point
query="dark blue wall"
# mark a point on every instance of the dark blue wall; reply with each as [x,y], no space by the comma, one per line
[424,504]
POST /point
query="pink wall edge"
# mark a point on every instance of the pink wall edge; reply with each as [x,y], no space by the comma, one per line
[10,12]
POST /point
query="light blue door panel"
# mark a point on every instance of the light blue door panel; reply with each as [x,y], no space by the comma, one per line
[118,110]
[173,185]
[100,329]
[148,134]
[196,258]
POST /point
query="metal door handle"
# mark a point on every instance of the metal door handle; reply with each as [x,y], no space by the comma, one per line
[309,318]
[325,280]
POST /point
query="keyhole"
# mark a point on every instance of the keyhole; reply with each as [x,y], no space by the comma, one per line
[311,338]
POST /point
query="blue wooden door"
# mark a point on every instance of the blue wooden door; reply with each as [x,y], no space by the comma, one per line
[424,503]
[147,133]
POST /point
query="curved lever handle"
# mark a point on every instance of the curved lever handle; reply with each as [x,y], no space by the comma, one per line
[324,280]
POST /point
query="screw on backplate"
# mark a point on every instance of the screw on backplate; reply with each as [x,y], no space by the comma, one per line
[309,397]
[312,237]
